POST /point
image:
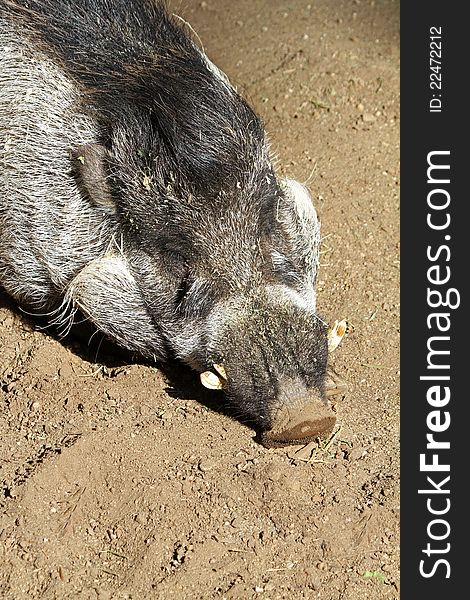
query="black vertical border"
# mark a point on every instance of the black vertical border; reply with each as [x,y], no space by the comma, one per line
[422,132]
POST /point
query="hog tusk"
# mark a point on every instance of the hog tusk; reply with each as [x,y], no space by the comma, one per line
[211,381]
[336,334]
[221,371]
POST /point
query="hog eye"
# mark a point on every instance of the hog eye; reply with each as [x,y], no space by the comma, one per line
[285,269]
[195,297]
[182,290]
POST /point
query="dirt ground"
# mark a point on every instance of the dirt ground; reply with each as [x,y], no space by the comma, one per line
[122,481]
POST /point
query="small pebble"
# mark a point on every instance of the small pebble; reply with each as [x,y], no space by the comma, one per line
[141,519]
[368,118]
[237,522]
[205,466]
[356,453]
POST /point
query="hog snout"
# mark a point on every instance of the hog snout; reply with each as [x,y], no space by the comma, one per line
[299,415]
[310,420]
[269,357]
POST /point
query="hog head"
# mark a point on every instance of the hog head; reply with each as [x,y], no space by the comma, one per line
[269,356]
[260,339]
[235,300]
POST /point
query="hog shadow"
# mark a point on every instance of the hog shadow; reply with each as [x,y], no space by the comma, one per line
[92,346]
[84,340]
[7,302]
[183,383]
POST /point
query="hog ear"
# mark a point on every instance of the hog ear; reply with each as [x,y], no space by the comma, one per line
[89,162]
[297,218]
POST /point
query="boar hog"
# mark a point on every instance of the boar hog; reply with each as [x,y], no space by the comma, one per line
[137,187]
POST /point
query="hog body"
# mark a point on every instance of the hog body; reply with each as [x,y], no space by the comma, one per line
[137,187]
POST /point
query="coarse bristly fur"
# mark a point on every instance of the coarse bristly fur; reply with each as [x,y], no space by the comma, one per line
[137,185]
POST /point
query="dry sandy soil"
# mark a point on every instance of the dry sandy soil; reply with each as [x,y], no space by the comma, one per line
[123,481]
